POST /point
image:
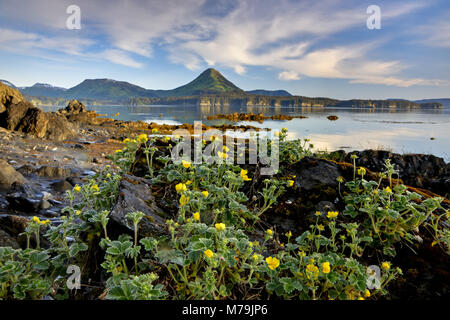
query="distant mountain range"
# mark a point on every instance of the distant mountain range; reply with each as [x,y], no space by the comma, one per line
[209,88]
[444,101]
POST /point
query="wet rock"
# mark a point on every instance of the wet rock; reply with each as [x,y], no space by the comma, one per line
[45,171]
[61,186]
[8,175]
[22,203]
[44,204]
[135,195]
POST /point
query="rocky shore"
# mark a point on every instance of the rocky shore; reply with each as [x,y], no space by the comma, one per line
[42,155]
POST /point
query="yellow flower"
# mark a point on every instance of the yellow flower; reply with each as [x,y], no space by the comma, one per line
[36,219]
[78,212]
[212,138]
[220,226]
[45,222]
[361,171]
[196,216]
[289,234]
[272,263]
[367,293]
[225,148]
[154,130]
[188,182]
[186,164]
[388,190]
[269,232]
[95,188]
[320,227]
[318,213]
[255,257]
[222,155]
[184,200]
[326,267]
[386,265]
[284,130]
[77,188]
[166,139]
[205,193]
[118,150]
[312,272]
[244,175]
[290,183]
[433,243]
[332,214]
[208,253]
[142,138]
[181,187]
[126,140]
[360,298]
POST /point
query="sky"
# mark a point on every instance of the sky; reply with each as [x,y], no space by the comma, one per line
[307,47]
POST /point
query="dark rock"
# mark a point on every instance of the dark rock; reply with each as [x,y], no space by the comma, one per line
[7,241]
[8,175]
[135,195]
[45,171]
[22,203]
[61,186]
[417,170]
[312,173]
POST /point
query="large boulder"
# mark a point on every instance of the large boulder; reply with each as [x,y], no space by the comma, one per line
[9,176]
[135,195]
[20,115]
[24,117]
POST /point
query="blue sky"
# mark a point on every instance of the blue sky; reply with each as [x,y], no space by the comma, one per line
[311,48]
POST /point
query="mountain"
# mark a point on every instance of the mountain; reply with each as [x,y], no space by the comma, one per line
[43,89]
[273,93]
[9,84]
[107,89]
[209,81]
[444,101]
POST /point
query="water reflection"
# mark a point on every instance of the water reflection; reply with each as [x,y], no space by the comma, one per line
[394,129]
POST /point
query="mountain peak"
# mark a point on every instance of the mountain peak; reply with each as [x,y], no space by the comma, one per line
[209,81]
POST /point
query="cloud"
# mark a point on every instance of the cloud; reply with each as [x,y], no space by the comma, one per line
[294,37]
[120,57]
[435,35]
[288,75]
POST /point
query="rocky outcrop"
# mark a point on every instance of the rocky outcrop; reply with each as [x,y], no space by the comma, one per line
[9,176]
[74,107]
[418,170]
[20,115]
[135,195]
[76,112]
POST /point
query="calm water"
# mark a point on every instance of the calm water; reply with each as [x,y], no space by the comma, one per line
[399,131]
